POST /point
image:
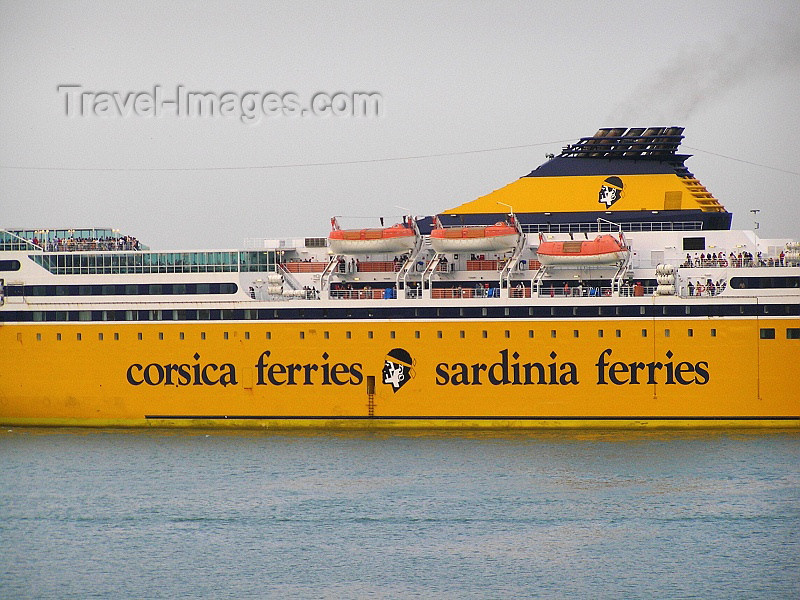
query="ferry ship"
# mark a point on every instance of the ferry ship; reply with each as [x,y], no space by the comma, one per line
[603,289]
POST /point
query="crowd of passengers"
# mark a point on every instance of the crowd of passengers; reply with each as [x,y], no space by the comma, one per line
[741,259]
[709,288]
[348,291]
[126,242]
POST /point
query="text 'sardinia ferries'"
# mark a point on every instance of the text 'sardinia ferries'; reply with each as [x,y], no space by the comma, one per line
[615,294]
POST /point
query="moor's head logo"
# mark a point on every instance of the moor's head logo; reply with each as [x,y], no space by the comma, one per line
[397,368]
[610,191]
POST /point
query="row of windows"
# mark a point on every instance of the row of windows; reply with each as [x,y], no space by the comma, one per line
[130,289]
[423,312]
[765,333]
[74,263]
[10,241]
[764,283]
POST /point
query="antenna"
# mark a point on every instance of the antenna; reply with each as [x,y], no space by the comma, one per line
[755,212]
[510,208]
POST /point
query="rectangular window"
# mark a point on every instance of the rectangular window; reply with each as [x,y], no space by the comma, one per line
[416,334]
[202,335]
[508,333]
[484,334]
[247,335]
[302,335]
[552,333]
[39,337]
[530,333]
[618,333]
[369,335]
[575,333]
[793,333]
[160,335]
[269,335]
[347,335]
[391,334]
[139,335]
[181,336]
[116,337]
[767,333]
[694,243]
[666,333]
[713,333]
[439,334]
[690,332]
[599,333]
[327,335]
[100,336]
[58,337]
[644,332]
[461,334]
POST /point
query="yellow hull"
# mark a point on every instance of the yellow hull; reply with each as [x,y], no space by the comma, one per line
[636,373]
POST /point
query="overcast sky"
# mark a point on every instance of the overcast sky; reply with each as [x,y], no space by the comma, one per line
[453,78]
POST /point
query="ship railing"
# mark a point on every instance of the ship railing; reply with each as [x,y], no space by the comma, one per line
[335,264]
[513,261]
[497,265]
[379,266]
[91,246]
[575,292]
[288,277]
[476,292]
[11,241]
[407,267]
[366,293]
[735,263]
[587,291]
[706,292]
[297,266]
[408,264]
[430,267]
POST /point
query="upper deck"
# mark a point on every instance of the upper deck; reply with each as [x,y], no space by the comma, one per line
[69,240]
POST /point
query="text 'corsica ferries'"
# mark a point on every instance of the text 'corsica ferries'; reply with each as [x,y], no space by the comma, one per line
[614,294]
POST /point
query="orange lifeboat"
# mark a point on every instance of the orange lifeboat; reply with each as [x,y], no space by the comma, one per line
[401,237]
[602,250]
[500,237]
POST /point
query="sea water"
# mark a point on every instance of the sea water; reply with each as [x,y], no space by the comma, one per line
[567,514]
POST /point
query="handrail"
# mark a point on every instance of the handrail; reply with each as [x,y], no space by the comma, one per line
[324,280]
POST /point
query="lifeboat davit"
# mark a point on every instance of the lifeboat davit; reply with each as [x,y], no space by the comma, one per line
[500,237]
[602,250]
[401,237]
